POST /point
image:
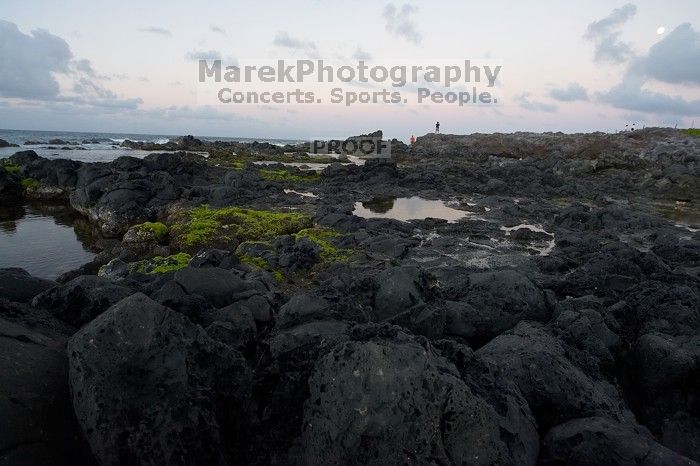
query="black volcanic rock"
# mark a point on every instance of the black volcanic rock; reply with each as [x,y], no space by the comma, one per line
[493,302]
[381,400]
[37,426]
[4,143]
[555,388]
[219,287]
[598,441]
[151,387]
[368,339]
[19,286]
[81,299]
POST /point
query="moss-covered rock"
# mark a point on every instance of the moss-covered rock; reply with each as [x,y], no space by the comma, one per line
[10,167]
[29,183]
[147,232]
[323,238]
[160,264]
[254,261]
[286,175]
[228,226]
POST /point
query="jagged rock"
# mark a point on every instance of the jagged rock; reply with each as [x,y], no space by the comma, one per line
[392,401]
[598,441]
[397,290]
[553,386]
[81,299]
[4,143]
[151,387]
[492,302]
[302,308]
[37,425]
[661,381]
[218,286]
[19,286]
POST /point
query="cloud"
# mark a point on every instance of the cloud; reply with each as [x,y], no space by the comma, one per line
[524,101]
[27,62]
[571,93]
[217,29]
[195,55]
[630,95]
[361,55]
[399,22]
[605,35]
[84,66]
[185,112]
[283,39]
[156,30]
[675,59]
[106,101]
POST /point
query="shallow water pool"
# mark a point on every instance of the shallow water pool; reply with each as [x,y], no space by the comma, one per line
[407,208]
[45,240]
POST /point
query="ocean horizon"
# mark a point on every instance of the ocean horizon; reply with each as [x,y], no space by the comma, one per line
[86,146]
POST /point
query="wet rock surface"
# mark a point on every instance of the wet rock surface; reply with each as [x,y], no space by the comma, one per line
[556,320]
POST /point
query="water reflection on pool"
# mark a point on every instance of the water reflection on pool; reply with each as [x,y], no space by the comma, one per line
[45,240]
[407,208]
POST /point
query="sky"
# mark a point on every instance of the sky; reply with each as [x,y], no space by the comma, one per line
[127,66]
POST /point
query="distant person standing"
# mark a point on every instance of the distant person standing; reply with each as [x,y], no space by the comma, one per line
[413,139]
[437,127]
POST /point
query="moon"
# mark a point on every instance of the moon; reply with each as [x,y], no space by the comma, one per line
[660,30]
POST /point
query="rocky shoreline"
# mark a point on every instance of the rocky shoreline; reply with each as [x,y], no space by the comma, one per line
[240,313]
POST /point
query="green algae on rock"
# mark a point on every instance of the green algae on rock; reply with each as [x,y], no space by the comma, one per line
[254,261]
[322,237]
[160,264]
[286,175]
[10,167]
[29,183]
[147,232]
[227,226]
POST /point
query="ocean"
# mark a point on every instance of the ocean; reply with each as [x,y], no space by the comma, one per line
[96,147]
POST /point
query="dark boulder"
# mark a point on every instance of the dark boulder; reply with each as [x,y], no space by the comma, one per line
[555,388]
[19,286]
[597,441]
[585,324]
[219,287]
[150,387]
[662,383]
[233,325]
[302,308]
[4,143]
[81,299]
[172,295]
[395,400]
[282,384]
[214,258]
[403,296]
[397,290]
[37,425]
[10,186]
[493,302]
[302,254]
